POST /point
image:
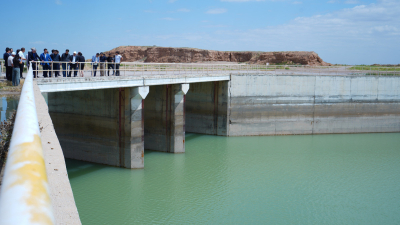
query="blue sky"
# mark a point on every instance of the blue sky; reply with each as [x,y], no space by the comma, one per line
[340,31]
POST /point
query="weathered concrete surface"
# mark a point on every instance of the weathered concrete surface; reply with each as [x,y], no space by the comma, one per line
[207,108]
[277,105]
[101,126]
[164,116]
[62,198]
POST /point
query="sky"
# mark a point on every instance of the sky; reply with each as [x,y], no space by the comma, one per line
[340,31]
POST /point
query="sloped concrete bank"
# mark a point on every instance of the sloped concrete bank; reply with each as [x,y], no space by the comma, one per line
[62,198]
[290,104]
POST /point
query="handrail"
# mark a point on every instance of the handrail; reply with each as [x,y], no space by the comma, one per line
[145,69]
[24,192]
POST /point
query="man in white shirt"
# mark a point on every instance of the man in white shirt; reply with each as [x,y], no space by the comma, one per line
[117,59]
[21,66]
[11,58]
[74,65]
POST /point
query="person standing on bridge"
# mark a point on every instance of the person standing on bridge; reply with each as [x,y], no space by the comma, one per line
[110,64]
[117,59]
[56,66]
[33,57]
[103,60]
[95,63]
[65,59]
[45,58]
[82,63]
[74,65]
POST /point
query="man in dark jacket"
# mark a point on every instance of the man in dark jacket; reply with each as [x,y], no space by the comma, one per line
[65,57]
[8,67]
[56,66]
[110,64]
[33,56]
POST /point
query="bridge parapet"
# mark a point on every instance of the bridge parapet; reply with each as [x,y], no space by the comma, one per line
[25,195]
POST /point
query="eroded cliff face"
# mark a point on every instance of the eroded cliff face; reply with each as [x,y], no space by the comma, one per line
[191,55]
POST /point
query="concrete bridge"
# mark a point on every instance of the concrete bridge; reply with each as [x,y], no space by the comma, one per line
[111,120]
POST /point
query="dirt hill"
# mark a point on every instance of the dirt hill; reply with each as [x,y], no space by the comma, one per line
[191,55]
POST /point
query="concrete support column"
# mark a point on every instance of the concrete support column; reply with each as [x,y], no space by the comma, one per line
[134,155]
[165,118]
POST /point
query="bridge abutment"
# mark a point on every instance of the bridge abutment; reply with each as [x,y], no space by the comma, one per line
[165,118]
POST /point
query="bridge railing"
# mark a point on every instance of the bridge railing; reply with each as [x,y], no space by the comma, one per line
[87,69]
[24,196]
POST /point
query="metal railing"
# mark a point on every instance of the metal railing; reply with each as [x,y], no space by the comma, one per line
[86,69]
[24,192]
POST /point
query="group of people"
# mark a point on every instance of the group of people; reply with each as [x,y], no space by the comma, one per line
[102,60]
[14,63]
[51,62]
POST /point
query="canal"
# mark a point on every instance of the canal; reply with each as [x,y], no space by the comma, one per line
[320,179]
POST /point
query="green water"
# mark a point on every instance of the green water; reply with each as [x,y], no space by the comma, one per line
[321,179]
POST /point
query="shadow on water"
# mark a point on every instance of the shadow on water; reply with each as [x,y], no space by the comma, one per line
[77,168]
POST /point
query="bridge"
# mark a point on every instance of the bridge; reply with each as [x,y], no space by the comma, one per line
[112,120]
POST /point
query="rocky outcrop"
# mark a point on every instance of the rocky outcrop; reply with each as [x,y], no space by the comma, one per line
[191,55]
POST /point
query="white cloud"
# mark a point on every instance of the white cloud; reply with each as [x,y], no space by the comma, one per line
[172,1]
[297,2]
[58,2]
[216,11]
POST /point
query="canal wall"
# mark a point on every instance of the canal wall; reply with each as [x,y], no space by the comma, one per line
[62,198]
[292,104]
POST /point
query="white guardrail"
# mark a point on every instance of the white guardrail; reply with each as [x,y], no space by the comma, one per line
[24,196]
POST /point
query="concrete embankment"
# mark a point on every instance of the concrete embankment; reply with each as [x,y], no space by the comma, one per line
[62,198]
[290,104]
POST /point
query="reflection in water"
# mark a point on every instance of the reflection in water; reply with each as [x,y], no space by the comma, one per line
[8,105]
[321,179]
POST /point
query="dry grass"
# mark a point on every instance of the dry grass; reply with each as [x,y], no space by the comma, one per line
[7,87]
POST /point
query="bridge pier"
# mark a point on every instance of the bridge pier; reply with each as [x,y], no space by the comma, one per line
[102,126]
[165,118]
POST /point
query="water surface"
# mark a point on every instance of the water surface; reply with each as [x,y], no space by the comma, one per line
[320,179]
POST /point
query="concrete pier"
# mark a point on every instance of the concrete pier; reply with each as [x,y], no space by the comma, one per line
[101,126]
[165,118]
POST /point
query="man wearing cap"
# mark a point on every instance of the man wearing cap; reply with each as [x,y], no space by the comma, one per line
[23,60]
[10,63]
[33,56]
[95,63]
[103,60]
[8,67]
[65,59]
[45,58]
[74,65]
[117,60]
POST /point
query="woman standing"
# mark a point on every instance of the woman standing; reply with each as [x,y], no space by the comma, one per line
[15,74]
